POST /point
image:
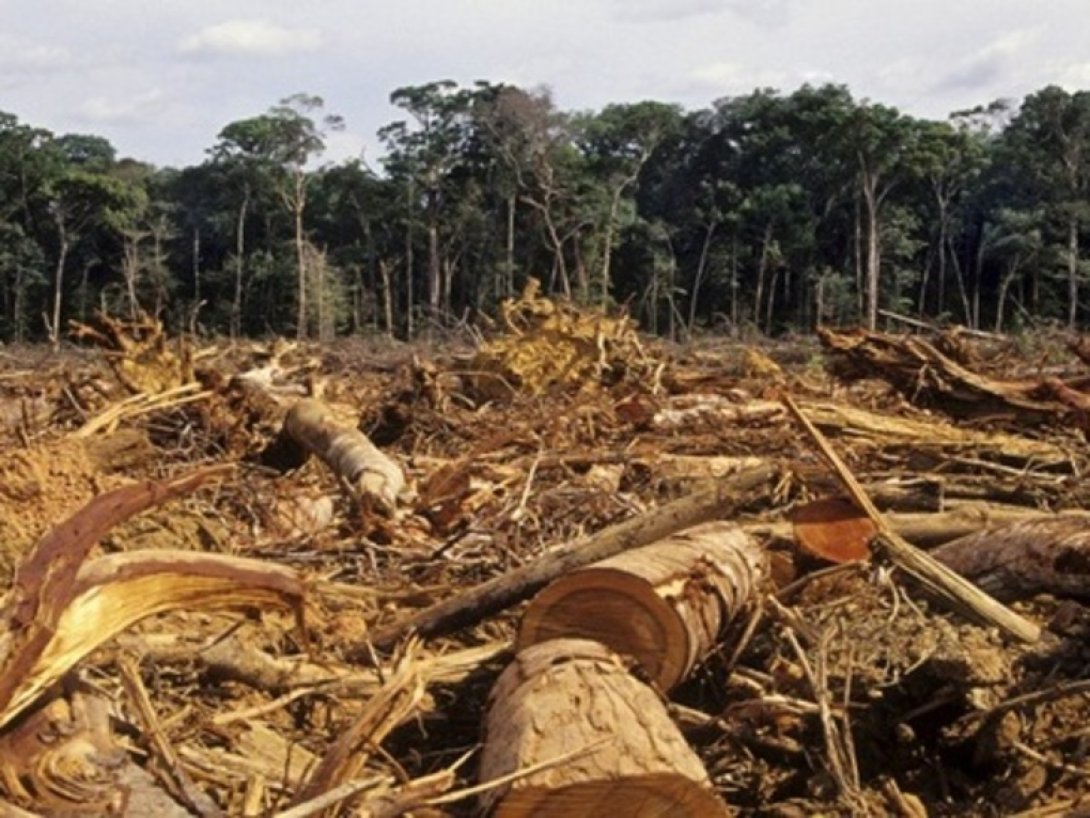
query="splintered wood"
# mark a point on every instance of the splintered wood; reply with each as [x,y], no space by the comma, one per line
[568,571]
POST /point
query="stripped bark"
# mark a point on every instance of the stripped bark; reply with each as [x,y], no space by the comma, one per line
[371,474]
[665,604]
[575,695]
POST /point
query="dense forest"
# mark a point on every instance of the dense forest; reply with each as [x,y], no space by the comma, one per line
[765,212]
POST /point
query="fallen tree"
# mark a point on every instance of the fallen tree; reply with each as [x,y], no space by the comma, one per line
[371,474]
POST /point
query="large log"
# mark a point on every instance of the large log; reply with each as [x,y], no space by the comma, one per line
[570,701]
[490,597]
[1025,558]
[347,452]
[665,604]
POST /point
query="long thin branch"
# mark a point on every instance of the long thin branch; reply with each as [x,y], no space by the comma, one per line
[497,594]
[955,590]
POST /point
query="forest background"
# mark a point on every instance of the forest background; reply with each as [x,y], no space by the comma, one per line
[767,212]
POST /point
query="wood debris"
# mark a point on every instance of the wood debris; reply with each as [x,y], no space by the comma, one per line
[203,619]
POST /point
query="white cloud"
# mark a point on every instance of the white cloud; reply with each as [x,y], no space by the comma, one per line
[133,108]
[1075,76]
[19,56]
[992,63]
[251,37]
[725,77]
[766,12]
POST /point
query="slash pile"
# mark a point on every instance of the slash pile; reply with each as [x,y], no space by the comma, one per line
[561,567]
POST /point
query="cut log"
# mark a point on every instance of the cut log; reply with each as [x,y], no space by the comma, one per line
[665,604]
[347,451]
[490,597]
[573,696]
[1025,558]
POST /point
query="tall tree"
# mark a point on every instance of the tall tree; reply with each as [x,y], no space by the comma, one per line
[285,139]
[1049,140]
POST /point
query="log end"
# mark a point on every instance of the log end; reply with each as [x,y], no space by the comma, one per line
[654,794]
[616,609]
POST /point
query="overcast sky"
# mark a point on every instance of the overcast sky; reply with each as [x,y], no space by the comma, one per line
[160,78]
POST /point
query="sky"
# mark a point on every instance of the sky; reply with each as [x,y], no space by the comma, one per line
[160,78]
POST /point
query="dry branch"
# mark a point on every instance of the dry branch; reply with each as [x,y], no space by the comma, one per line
[937,578]
[665,604]
[495,595]
[347,451]
[568,694]
[395,701]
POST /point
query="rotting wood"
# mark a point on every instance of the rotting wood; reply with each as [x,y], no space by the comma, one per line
[348,452]
[1029,557]
[923,373]
[566,694]
[665,604]
[490,597]
[956,591]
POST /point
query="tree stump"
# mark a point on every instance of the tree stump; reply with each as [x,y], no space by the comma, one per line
[619,753]
[666,604]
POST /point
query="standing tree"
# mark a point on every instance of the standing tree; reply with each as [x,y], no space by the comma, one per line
[1049,141]
[284,140]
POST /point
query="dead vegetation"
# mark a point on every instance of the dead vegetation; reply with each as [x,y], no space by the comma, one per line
[202,619]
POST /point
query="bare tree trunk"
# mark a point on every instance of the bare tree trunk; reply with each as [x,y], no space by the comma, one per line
[607,242]
[698,279]
[959,277]
[509,264]
[857,248]
[197,265]
[734,284]
[978,269]
[1004,287]
[762,270]
[299,201]
[435,272]
[1072,271]
[387,297]
[240,264]
[873,256]
[58,279]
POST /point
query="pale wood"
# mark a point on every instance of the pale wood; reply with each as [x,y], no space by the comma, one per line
[370,472]
[665,604]
[930,529]
[568,695]
[490,597]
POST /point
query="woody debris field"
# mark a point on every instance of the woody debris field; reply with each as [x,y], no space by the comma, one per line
[552,568]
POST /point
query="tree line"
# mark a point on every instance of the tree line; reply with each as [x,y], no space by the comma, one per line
[767,211]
